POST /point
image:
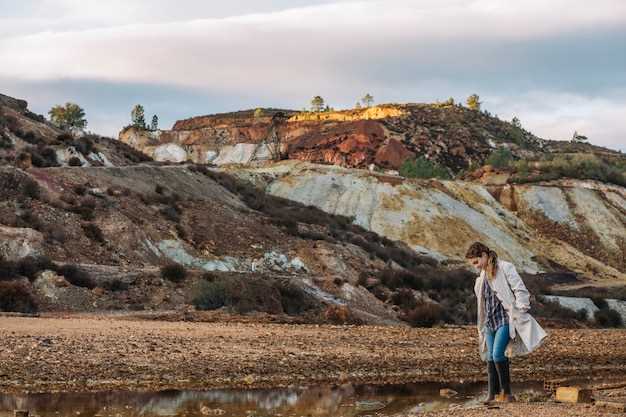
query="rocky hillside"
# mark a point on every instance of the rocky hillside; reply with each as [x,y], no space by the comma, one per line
[579,225]
[385,136]
[292,240]
[27,139]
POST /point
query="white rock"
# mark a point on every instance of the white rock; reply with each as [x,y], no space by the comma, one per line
[241,153]
[170,152]
[619,306]
[210,156]
[575,304]
[17,243]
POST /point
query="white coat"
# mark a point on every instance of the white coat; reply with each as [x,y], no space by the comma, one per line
[525,333]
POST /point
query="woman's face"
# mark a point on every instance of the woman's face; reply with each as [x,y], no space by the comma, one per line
[478,263]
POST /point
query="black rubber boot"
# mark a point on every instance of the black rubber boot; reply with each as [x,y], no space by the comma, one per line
[493,382]
[504,375]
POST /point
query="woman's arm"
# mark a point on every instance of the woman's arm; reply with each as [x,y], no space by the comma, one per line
[522,296]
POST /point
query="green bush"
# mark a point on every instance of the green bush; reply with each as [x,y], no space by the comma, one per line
[579,166]
[500,158]
[423,168]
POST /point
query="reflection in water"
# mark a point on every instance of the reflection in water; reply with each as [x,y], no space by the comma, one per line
[338,401]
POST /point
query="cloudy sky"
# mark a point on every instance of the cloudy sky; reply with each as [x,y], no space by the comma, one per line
[558,65]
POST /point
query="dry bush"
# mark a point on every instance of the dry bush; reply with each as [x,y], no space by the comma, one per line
[77,276]
[93,232]
[174,272]
[339,314]
[16,297]
[423,315]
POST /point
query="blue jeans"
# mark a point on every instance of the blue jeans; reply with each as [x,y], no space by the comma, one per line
[496,343]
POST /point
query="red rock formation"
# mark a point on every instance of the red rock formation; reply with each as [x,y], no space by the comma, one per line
[384,135]
[392,154]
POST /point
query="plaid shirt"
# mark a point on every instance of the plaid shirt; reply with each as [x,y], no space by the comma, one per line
[495,313]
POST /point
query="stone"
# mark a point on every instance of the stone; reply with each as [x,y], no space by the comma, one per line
[447,393]
[170,152]
[613,405]
[392,154]
[573,395]
[17,243]
[575,304]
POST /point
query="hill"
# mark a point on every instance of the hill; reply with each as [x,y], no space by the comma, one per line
[384,136]
[288,241]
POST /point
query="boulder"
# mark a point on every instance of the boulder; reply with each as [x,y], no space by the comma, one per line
[392,154]
[575,304]
[18,243]
[170,152]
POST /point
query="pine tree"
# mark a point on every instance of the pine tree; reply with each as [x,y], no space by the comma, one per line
[138,117]
[317,104]
[367,100]
[155,123]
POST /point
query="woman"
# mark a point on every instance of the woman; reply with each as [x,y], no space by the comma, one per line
[505,329]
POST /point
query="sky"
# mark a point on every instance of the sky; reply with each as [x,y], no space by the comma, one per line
[558,65]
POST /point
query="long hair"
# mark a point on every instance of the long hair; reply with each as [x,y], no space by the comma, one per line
[476,250]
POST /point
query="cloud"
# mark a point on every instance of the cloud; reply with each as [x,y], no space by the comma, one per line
[557,116]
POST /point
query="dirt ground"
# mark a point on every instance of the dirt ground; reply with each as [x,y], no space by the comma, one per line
[526,410]
[93,354]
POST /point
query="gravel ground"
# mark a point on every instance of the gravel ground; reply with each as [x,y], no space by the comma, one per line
[95,354]
[528,410]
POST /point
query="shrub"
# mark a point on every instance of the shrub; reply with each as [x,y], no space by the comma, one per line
[5,142]
[29,219]
[608,318]
[65,137]
[500,158]
[423,168]
[425,314]
[340,314]
[55,233]
[93,232]
[174,272]
[43,157]
[404,299]
[84,145]
[75,162]
[115,285]
[210,296]
[31,189]
[80,189]
[31,138]
[601,303]
[30,266]
[16,297]
[247,294]
[86,209]
[580,166]
[171,213]
[77,276]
